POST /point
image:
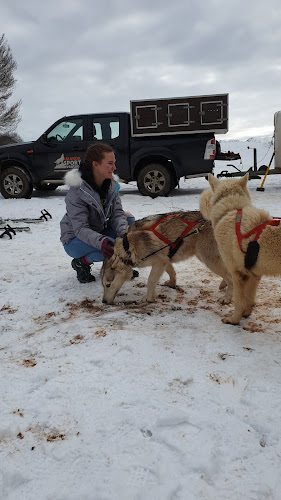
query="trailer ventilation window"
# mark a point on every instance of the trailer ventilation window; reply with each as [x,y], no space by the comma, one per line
[146,117]
[211,112]
[178,114]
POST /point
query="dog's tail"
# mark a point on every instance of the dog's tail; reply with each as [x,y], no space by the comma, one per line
[252,254]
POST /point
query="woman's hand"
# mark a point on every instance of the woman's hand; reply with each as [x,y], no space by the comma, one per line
[107,248]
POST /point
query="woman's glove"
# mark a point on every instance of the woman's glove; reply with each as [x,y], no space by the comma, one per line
[107,248]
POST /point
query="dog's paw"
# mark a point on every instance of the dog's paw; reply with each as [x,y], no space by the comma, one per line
[223,285]
[230,320]
[147,300]
[224,301]
[171,284]
[247,312]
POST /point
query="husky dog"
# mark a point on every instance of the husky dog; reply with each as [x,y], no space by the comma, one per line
[159,241]
[249,239]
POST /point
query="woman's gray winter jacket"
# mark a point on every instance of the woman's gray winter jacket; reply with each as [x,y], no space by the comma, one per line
[85,217]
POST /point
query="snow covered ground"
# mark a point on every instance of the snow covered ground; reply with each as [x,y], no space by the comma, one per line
[132,401]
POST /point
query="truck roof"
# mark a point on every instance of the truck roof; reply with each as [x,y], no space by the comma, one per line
[96,113]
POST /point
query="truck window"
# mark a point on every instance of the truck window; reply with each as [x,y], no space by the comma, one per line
[104,128]
[67,131]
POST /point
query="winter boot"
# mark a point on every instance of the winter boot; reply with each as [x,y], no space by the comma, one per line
[83,271]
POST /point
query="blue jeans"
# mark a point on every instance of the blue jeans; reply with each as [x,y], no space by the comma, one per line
[76,248]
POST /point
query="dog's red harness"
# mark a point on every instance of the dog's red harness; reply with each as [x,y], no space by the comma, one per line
[256,231]
[172,244]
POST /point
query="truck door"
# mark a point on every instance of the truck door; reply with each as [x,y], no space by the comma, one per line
[113,130]
[63,148]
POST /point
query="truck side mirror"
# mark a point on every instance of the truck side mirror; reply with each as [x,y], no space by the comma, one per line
[44,138]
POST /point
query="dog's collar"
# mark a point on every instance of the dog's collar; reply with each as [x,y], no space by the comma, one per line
[127,262]
[126,246]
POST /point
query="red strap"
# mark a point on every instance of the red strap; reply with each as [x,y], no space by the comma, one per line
[189,224]
[257,230]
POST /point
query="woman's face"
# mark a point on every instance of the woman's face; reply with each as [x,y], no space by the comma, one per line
[105,169]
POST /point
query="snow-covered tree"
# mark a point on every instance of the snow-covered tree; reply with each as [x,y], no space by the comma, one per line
[9,114]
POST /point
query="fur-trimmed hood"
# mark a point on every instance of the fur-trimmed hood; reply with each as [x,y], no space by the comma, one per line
[73,178]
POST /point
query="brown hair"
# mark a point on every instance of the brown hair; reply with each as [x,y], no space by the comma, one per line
[95,152]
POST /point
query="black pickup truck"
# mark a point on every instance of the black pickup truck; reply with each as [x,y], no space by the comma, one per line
[155,144]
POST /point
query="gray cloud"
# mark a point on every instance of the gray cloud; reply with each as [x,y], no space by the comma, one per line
[85,56]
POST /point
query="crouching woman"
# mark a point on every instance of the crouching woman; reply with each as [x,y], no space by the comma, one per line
[94,214]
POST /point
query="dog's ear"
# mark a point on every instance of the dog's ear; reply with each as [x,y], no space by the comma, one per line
[205,203]
[213,181]
[243,181]
[114,261]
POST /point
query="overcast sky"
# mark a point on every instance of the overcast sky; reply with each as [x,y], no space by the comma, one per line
[79,56]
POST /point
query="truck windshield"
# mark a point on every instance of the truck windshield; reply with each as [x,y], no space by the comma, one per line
[68,130]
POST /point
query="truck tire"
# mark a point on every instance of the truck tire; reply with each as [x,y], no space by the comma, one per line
[155,180]
[15,183]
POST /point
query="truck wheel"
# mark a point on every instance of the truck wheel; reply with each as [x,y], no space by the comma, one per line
[155,180]
[15,183]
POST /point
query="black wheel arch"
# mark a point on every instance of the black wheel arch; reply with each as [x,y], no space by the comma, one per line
[15,182]
[15,162]
[155,159]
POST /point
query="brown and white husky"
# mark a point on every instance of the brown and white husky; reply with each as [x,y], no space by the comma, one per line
[160,241]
